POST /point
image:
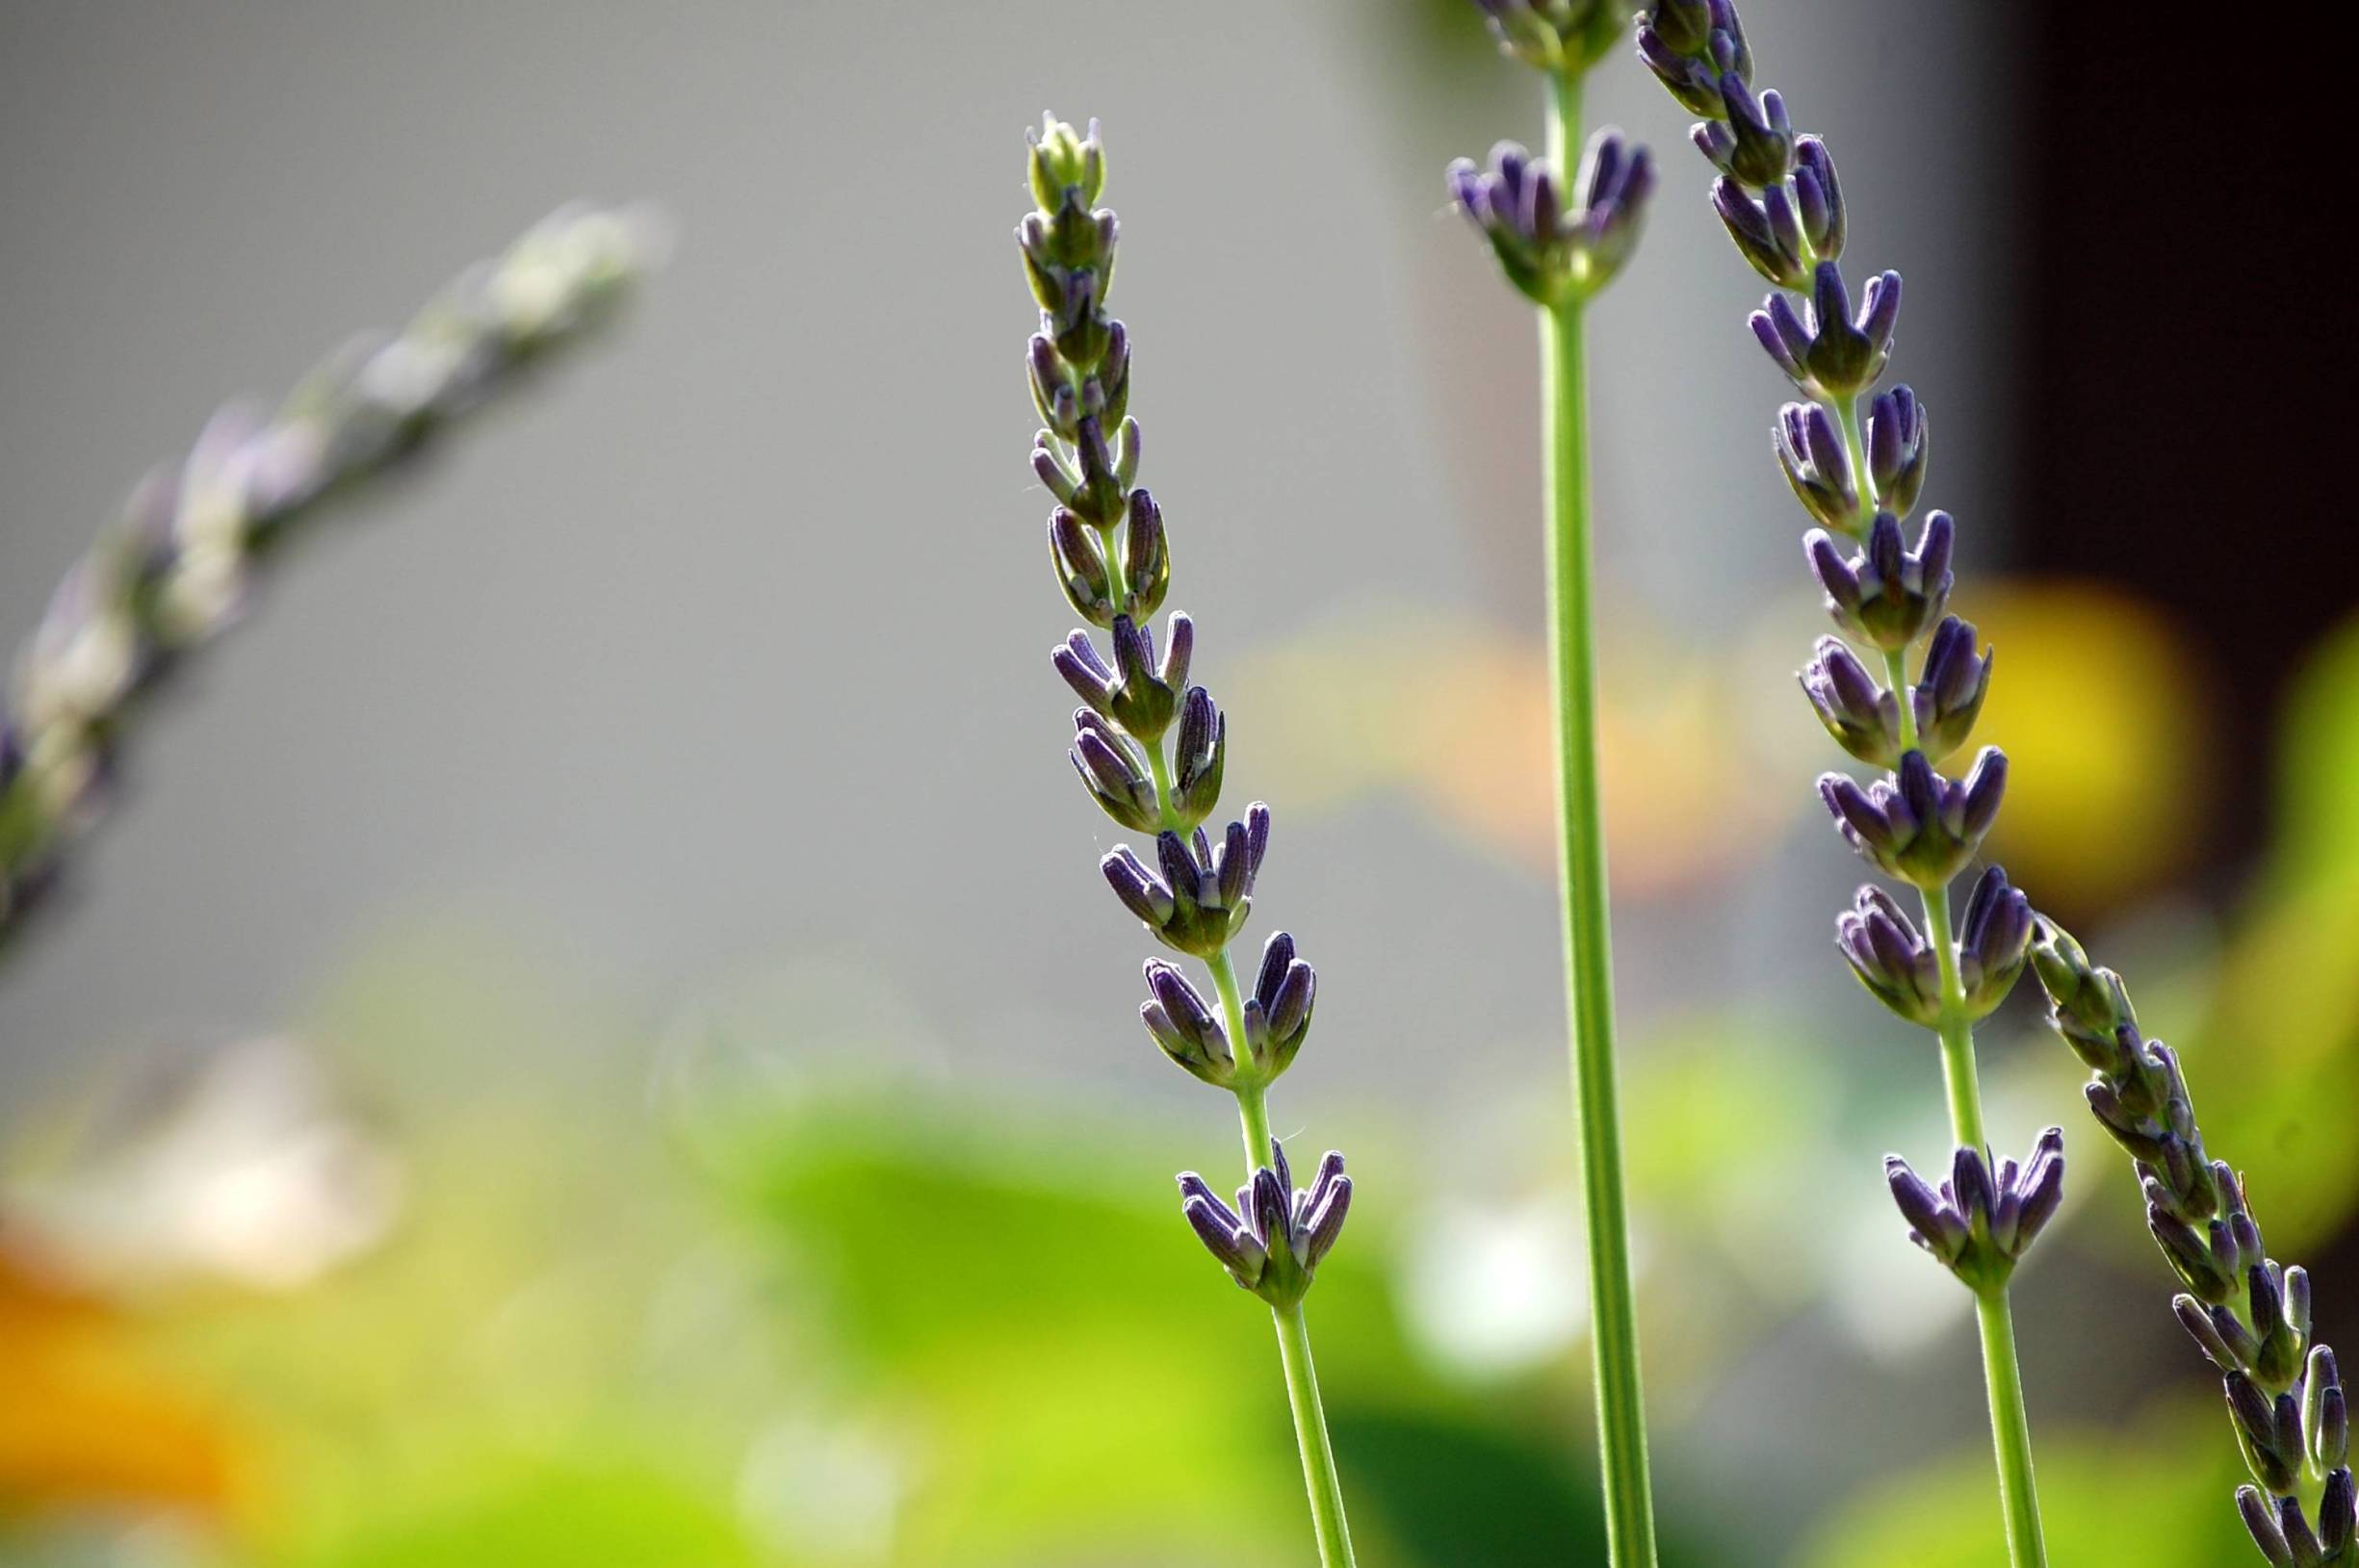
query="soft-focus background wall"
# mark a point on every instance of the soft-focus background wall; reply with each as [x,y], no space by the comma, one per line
[647,835]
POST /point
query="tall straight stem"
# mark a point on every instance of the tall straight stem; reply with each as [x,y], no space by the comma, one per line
[1589,960]
[1319,1475]
[2010,1424]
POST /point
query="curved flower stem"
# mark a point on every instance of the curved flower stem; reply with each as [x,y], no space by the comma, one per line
[2010,1426]
[1621,1414]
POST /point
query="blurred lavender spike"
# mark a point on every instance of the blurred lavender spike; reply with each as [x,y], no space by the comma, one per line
[1558,246]
[1561,36]
[177,568]
[2251,1315]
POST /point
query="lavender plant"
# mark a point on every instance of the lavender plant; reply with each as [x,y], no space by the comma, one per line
[178,567]
[1856,461]
[2251,1315]
[1559,244]
[1193,894]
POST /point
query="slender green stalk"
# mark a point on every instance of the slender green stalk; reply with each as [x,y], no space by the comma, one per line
[1310,1429]
[1588,963]
[1319,1476]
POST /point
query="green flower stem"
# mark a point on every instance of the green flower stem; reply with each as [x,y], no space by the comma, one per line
[1319,1477]
[2010,1426]
[1310,1430]
[1621,1413]
[2010,1431]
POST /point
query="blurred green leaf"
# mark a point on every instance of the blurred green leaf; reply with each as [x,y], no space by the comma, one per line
[2160,1496]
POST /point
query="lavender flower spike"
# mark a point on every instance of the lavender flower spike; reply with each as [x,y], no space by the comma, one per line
[1109,547]
[2251,1315]
[1859,471]
[176,571]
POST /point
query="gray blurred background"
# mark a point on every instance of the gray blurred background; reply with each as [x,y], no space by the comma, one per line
[731,645]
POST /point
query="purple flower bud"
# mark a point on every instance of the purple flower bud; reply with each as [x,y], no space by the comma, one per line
[1323,1224]
[2336,1508]
[1884,949]
[1970,1188]
[1078,659]
[1900,446]
[1810,451]
[1936,1226]
[1949,689]
[1277,1012]
[1197,757]
[2262,1521]
[1819,195]
[2190,1255]
[1863,718]
[1976,807]
[1140,891]
[1079,559]
[1180,654]
[1225,1235]
[2196,1319]
[1146,559]
[1761,150]
[1691,80]
[1993,939]
[1766,231]
[2296,1532]
[1111,771]
[1185,1025]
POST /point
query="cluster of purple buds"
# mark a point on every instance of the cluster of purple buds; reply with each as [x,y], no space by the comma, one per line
[2250,1315]
[1882,946]
[1823,348]
[1200,892]
[1277,1017]
[2283,1533]
[1561,36]
[1793,223]
[1914,823]
[1557,253]
[1136,690]
[1864,719]
[1980,1222]
[1887,594]
[1272,1242]
[1692,46]
[1079,551]
[1113,770]
[176,570]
